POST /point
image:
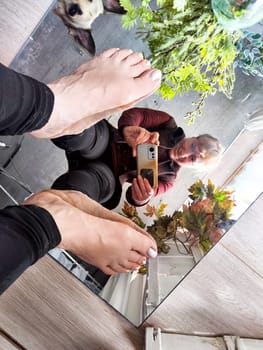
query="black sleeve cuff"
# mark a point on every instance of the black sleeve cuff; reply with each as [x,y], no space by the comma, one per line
[26,104]
[130,199]
[26,234]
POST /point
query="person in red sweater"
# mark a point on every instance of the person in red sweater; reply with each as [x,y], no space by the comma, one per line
[102,158]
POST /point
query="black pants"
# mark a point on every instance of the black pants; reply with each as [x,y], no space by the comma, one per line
[89,160]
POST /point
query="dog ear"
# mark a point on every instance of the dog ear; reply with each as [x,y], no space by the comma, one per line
[84,38]
[113,6]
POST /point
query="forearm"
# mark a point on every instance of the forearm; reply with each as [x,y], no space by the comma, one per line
[163,187]
[26,234]
[145,118]
[26,104]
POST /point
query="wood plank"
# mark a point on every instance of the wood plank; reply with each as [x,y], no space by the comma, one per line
[48,308]
[18,19]
[8,344]
[222,294]
[246,240]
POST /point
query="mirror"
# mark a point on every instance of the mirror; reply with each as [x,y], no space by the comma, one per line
[51,53]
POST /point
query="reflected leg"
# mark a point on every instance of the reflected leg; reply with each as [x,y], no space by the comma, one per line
[96,180]
[90,144]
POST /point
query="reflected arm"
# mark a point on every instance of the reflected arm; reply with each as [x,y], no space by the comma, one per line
[149,119]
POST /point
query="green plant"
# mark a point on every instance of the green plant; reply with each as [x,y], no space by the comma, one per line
[188,45]
[250,56]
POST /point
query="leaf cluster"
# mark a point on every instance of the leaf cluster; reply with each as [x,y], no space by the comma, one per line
[250,56]
[188,45]
[221,200]
[207,208]
[131,212]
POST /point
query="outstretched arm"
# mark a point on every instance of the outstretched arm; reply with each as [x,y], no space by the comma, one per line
[146,118]
[141,125]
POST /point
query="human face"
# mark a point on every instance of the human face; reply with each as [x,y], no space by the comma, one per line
[187,152]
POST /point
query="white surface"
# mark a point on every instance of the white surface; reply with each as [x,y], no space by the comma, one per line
[157,340]
[248,183]
[125,292]
[249,344]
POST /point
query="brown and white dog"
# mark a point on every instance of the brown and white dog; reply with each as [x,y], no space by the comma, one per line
[78,16]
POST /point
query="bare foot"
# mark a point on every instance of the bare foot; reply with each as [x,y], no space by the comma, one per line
[113,79]
[87,122]
[110,242]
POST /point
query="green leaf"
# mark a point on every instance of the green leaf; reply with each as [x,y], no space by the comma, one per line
[129,20]
[166,91]
[127,5]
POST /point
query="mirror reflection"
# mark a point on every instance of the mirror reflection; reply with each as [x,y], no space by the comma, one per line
[233,122]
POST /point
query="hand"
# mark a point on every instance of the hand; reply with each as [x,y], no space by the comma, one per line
[141,190]
[94,233]
[135,135]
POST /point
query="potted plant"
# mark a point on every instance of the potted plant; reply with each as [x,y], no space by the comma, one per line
[187,43]
[250,54]
[207,208]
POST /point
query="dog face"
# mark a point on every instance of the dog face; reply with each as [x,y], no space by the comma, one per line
[78,16]
[79,13]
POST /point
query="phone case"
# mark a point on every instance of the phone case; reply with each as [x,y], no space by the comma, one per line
[147,163]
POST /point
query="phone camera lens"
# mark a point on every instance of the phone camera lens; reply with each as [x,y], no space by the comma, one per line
[151,149]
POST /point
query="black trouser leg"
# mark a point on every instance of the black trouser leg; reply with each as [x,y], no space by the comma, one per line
[96,180]
[91,143]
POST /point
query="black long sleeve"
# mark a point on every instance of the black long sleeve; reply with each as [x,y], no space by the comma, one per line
[25,103]
[26,234]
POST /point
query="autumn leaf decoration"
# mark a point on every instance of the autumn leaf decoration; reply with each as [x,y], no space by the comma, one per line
[131,212]
[207,208]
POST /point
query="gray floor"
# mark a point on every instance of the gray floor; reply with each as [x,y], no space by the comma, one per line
[50,53]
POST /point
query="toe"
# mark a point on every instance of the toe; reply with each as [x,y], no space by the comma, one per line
[134,58]
[142,67]
[122,54]
[142,244]
[147,83]
[136,259]
[109,52]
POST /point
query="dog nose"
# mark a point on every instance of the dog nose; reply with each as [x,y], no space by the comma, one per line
[74,10]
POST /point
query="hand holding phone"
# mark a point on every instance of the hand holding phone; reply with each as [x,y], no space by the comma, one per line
[147,163]
[135,135]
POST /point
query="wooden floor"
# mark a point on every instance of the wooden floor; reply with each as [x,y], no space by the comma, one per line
[18,19]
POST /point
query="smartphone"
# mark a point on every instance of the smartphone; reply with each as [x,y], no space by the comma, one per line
[147,163]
